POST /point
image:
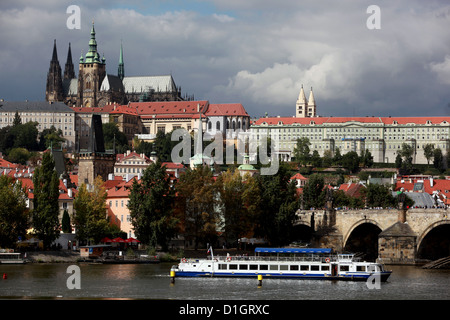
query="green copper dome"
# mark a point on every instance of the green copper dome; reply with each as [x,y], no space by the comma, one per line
[92,56]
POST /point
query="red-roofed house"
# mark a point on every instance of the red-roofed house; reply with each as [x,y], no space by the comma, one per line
[117,201]
[130,164]
[299,179]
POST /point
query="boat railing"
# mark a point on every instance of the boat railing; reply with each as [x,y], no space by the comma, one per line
[295,258]
[323,259]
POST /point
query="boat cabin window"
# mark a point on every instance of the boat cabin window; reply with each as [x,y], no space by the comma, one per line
[243,267]
[314,268]
[343,268]
[325,268]
[253,267]
[233,267]
[294,267]
[264,267]
[361,268]
[273,267]
[222,266]
[304,267]
[283,267]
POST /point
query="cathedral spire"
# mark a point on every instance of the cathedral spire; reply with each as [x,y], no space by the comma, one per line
[121,69]
[69,72]
[54,88]
[55,53]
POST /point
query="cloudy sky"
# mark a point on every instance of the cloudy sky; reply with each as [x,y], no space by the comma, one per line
[255,52]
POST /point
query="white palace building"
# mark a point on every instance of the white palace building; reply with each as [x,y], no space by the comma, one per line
[382,136]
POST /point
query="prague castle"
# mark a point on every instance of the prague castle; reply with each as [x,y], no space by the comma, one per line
[382,136]
[94,87]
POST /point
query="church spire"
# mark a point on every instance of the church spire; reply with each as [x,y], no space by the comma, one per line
[54,89]
[55,53]
[92,56]
[121,69]
[69,72]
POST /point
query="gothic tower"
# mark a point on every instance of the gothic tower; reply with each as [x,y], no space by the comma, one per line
[121,69]
[54,88]
[92,71]
[69,72]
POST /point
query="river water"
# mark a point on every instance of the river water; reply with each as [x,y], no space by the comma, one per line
[152,281]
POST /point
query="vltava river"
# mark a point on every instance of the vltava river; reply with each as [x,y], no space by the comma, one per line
[147,281]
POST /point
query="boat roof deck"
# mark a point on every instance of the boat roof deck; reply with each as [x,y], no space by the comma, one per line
[294,250]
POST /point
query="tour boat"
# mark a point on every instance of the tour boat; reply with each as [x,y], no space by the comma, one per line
[293,263]
[11,258]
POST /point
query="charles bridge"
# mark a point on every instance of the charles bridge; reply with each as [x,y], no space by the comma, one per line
[394,236]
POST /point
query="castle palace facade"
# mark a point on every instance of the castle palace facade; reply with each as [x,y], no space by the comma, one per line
[95,88]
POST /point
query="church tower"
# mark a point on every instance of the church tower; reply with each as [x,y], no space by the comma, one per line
[302,105]
[311,105]
[305,108]
[54,88]
[121,69]
[92,71]
[69,72]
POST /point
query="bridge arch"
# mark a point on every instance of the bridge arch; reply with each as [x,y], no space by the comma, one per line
[438,229]
[357,224]
[362,237]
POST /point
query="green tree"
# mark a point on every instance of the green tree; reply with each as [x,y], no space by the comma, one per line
[65,223]
[438,159]
[197,195]
[114,138]
[13,211]
[366,159]
[90,217]
[378,195]
[398,161]
[302,150]
[151,207]
[277,207]
[51,138]
[337,159]
[350,161]
[45,201]
[313,192]
[428,151]
[406,152]
[19,155]
[327,159]
[316,161]
[17,120]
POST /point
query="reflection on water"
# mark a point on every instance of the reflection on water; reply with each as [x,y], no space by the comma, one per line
[153,282]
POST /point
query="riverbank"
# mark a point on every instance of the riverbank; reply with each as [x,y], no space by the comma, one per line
[66,256]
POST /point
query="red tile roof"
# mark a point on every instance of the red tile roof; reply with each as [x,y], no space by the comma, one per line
[228,109]
[165,108]
[323,120]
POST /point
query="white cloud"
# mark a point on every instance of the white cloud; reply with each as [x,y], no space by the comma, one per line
[442,70]
[258,52]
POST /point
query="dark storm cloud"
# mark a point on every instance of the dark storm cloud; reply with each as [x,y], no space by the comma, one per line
[257,52]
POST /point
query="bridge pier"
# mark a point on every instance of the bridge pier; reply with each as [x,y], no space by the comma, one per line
[402,231]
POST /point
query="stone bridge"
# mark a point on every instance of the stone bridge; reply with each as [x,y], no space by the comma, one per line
[394,236]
